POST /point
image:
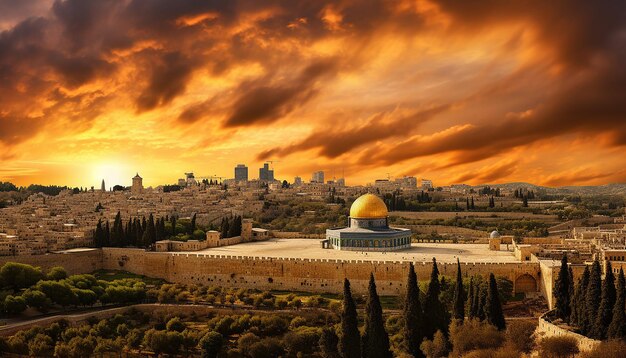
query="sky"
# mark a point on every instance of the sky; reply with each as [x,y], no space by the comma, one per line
[472,92]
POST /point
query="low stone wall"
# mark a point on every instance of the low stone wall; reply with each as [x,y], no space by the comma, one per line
[546,329]
[296,235]
[73,262]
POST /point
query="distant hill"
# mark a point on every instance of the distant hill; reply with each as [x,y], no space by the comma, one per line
[607,189]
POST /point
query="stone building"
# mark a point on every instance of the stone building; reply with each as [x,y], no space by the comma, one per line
[368,229]
[137,187]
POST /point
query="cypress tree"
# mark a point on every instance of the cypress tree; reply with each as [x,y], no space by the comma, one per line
[107,235]
[224,228]
[350,340]
[470,301]
[571,291]
[476,304]
[472,203]
[482,301]
[151,229]
[375,341]
[158,235]
[413,330]
[435,315]
[592,297]
[232,227]
[98,236]
[578,302]
[115,237]
[192,227]
[138,231]
[128,234]
[239,225]
[617,328]
[493,308]
[607,303]
[144,240]
[562,291]
[173,221]
[459,295]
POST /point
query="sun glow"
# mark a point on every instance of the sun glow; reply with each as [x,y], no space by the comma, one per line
[112,173]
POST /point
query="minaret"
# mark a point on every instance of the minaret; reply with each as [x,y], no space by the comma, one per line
[103,187]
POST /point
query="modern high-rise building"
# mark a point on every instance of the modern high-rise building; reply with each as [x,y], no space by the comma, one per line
[266,174]
[318,177]
[241,173]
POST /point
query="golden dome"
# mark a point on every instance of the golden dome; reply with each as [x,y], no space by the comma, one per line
[368,206]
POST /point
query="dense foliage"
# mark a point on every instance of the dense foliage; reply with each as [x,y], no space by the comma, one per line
[26,286]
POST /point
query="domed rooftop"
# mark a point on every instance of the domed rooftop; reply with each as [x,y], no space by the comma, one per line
[494,234]
[368,206]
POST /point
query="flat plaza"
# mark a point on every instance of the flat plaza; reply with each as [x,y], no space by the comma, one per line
[311,249]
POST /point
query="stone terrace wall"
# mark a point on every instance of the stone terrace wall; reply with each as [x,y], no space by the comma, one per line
[289,273]
[547,329]
[73,262]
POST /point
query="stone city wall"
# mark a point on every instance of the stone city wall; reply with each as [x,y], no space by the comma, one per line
[546,329]
[296,235]
[292,274]
[73,262]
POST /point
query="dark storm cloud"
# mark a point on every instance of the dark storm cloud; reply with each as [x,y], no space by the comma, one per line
[261,103]
[14,130]
[589,98]
[592,105]
[13,12]
[168,79]
[577,29]
[334,143]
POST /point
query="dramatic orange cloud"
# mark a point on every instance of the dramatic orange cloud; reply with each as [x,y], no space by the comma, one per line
[455,91]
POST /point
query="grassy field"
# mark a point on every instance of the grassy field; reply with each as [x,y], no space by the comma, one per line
[111,275]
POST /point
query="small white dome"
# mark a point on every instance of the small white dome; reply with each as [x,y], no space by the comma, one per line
[494,234]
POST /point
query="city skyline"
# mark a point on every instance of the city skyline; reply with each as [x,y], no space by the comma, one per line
[487,93]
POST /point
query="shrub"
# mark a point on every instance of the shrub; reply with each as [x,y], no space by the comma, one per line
[437,348]
[303,340]
[211,344]
[36,299]
[519,335]
[19,275]
[175,324]
[14,304]
[557,347]
[56,273]
[607,349]
[246,341]
[267,348]
[297,322]
[473,335]
[168,342]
